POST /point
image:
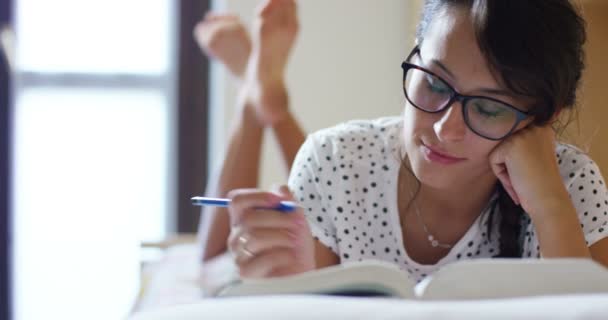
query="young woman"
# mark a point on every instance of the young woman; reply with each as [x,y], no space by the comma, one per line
[470,169]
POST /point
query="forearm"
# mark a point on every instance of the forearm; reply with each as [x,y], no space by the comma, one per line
[239,169]
[290,137]
[559,231]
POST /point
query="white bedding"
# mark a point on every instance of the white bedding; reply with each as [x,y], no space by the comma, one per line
[335,308]
[173,293]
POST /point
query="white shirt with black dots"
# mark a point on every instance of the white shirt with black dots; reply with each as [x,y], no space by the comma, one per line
[346,179]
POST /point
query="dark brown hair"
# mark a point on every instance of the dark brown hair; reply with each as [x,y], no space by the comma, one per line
[536,48]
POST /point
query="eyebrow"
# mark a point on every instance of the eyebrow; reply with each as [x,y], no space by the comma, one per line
[497,92]
[443,67]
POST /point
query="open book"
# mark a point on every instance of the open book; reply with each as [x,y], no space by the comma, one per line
[468,279]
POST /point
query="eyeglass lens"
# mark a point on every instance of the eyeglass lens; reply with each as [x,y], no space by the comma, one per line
[486,117]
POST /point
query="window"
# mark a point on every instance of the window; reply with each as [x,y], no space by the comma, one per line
[92,164]
[5,125]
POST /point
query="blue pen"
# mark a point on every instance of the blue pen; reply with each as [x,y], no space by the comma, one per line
[284,206]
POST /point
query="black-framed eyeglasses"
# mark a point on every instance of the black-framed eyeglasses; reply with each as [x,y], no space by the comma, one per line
[487,117]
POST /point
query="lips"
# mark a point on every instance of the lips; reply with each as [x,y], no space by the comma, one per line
[435,155]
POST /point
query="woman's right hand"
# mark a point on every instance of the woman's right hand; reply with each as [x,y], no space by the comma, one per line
[268,243]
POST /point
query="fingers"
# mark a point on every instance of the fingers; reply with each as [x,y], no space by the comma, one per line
[284,192]
[267,242]
[266,264]
[257,241]
[501,172]
[246,200]
[504,179]
[498,165]
[253,219]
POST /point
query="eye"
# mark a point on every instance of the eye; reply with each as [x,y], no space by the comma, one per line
[489,110]
[436,85]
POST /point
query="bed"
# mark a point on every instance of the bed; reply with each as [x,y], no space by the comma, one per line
[173,292]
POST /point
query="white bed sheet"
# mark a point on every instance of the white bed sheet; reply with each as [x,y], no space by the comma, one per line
[173,293]
[335,308]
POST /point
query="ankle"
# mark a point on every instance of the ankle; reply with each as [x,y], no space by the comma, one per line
[246,113]
[282,121]
[268,100]
[266,74]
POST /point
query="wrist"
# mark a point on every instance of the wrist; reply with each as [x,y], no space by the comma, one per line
[550,195]
[559,232]
[552,208]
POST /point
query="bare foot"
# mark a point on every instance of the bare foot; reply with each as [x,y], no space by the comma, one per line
[224,37]
[275,29]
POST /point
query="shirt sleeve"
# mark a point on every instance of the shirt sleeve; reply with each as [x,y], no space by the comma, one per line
[588,193]
[306,184]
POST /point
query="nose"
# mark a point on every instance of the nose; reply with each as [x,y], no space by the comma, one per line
[450,126]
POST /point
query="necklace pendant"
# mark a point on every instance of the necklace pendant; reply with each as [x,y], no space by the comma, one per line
[435,243]
[431,238]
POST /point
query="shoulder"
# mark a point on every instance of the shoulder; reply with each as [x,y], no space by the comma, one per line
[577,166]
[358,128]
[587,189]
[360,133]
[347,144]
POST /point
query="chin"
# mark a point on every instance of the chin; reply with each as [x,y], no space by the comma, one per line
[431,174]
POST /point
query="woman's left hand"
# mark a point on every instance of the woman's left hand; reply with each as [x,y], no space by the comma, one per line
[526,165]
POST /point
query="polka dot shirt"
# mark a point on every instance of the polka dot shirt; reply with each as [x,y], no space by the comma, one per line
[346,178]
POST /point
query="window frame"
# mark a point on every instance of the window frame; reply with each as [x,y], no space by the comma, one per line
[193,116]
[5,174]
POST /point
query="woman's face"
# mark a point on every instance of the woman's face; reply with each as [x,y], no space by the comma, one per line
[450,50]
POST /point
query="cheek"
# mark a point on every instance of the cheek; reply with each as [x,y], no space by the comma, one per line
[481,147]
[478,152]
[415,123]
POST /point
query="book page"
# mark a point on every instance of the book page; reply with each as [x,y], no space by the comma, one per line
[366,278]
[504,278]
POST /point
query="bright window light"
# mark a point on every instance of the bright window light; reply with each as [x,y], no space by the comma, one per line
[92,161]
[109,36]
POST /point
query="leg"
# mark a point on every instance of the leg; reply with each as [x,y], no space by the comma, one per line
[264,103]
[275,33]
[239,169]
[225,38]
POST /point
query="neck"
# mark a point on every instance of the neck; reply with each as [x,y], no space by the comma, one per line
[462,202]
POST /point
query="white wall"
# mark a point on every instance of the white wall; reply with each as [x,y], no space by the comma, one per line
[346,65]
